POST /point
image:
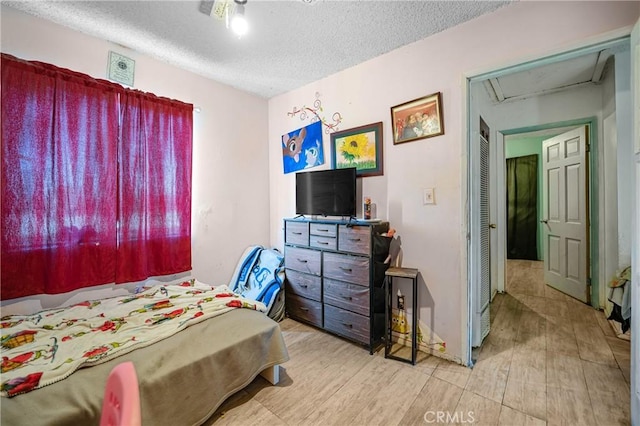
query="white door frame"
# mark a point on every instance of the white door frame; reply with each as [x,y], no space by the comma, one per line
[501,214]
[635,241]
[469,171]
[501,185]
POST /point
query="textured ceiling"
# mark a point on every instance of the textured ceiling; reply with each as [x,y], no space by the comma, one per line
[290,43]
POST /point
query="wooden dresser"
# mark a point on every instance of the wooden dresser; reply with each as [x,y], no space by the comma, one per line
[335,276]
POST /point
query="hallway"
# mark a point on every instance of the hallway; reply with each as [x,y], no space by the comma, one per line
[551,356]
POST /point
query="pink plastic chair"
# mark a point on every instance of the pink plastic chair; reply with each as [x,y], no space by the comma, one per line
[121,404]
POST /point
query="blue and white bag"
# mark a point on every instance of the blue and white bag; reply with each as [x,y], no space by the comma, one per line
[259,276]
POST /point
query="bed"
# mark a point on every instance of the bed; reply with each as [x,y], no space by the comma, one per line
[183,378]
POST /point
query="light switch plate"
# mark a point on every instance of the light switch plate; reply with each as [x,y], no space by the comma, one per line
[428,196]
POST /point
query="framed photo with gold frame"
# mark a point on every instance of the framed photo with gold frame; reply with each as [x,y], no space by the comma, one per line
[417,119]
[359,147]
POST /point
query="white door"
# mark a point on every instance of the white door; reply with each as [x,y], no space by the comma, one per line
[565,212]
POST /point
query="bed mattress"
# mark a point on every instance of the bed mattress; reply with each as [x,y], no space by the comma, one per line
[183,379]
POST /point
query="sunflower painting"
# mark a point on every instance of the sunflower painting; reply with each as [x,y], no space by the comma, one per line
[360,147]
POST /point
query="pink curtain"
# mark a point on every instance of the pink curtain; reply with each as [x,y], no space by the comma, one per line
[59,133]
[154,214]
[96,182]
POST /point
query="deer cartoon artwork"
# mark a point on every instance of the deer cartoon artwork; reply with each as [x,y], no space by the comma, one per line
[293,146]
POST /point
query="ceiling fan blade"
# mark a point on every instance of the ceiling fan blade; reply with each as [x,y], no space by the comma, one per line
[206,6]
[218,8]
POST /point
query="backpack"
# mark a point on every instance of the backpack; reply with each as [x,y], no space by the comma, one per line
[259,276]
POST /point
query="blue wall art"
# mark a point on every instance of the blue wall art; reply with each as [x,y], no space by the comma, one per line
[302,148]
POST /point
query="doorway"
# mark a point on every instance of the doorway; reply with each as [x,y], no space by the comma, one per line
[547,211]
[540,115]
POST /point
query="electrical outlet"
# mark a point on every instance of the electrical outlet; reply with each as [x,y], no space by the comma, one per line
[428,196]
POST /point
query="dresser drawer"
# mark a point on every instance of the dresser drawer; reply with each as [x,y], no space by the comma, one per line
[347,296]
[303,260]
[304,309]
[304,285]
[323,229]
[354,239]
[296,233]
[354,269]
[329,243]
[346,323]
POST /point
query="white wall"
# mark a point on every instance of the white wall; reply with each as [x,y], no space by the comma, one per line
[230,150]
[635,239]
[434,236]
[624,117]
[609,185]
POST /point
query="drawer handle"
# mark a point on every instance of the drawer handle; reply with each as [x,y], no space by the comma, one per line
[347,325]
[354,239]
[302,260]
[323,243]
[303,285]
[346,297]
[304,309]
[346,269]
[296,233]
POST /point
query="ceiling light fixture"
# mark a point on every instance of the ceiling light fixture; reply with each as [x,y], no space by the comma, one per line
[239,24]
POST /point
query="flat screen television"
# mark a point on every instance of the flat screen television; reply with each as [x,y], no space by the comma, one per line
[326,192]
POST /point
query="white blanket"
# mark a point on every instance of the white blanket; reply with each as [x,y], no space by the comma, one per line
[48,346]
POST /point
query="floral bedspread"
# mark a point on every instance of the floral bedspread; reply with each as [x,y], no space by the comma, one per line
[46,347]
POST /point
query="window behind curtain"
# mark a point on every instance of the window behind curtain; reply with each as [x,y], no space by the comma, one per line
[154,216]
[59,136]
[66,188]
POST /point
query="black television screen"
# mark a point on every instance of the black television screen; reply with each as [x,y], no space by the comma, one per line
[326,192]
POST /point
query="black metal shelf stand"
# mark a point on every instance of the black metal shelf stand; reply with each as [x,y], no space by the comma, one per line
[412,274]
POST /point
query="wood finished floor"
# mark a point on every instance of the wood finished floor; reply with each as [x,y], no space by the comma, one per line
[549,359]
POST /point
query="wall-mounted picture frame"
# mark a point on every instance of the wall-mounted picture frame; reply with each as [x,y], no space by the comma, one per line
[359,147]
[302,148]
[121,69]
[417,119]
